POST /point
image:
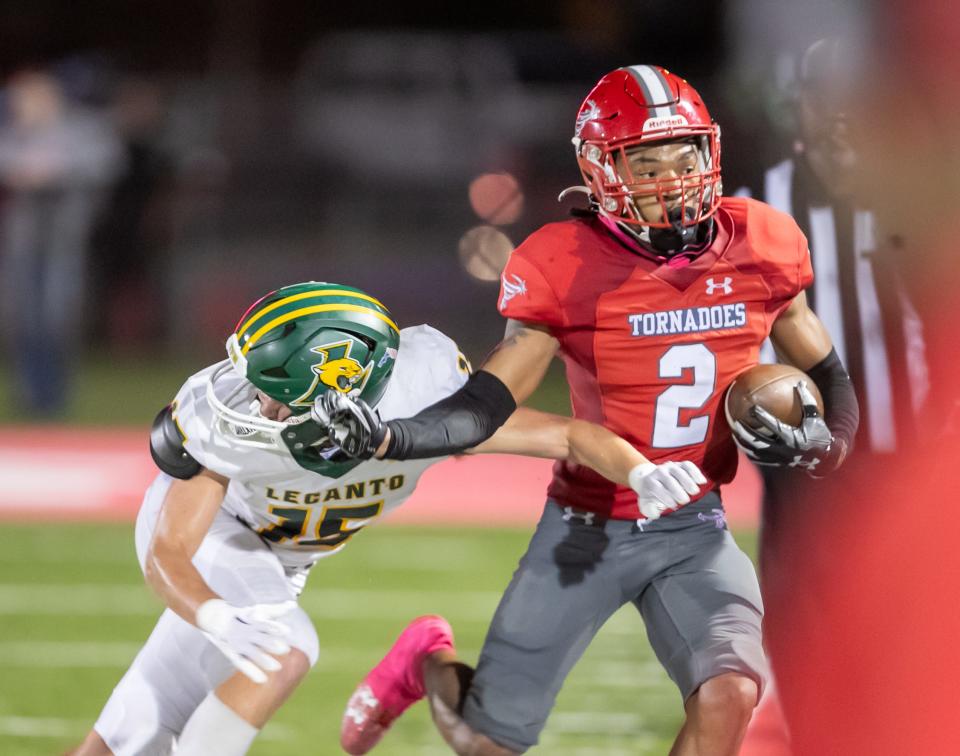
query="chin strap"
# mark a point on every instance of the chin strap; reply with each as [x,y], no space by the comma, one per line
[643,244]
[677,243]
[670,241]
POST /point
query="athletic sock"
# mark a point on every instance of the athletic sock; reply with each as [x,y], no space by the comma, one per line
[215,728]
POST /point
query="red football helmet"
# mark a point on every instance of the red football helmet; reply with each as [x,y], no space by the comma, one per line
[635,106]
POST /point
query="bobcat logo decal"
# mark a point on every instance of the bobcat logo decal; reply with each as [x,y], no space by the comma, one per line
[336,370]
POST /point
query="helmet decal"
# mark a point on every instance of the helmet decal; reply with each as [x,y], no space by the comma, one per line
[588,112]
[336,370]
[389,354]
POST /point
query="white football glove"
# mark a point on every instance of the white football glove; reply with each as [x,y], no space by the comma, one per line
[665,487]
[247,635]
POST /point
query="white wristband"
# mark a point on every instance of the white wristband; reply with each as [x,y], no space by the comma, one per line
[214,616]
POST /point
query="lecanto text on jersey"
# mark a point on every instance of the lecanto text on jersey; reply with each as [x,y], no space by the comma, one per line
[688,320]
[357,490]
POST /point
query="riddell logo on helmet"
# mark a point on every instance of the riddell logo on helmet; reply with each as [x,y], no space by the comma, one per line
[664,122]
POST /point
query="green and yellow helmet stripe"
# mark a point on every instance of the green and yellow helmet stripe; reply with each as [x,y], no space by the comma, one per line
[258,314]
[294,314]
[302,340]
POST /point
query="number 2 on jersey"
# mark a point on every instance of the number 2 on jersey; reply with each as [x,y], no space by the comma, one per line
[668,431]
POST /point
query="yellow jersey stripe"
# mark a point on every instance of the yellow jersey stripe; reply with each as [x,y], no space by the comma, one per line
[306,295]
[294,314]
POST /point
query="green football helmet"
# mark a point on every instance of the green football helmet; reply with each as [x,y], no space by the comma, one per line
[297,343]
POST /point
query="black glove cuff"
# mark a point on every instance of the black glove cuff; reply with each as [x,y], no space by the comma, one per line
[831,460]
[461,421]
[377,436]
[841,411]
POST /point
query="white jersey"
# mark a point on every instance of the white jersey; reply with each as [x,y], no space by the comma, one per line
[301,514]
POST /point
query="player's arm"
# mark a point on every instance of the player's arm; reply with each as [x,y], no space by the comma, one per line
[799,337]
[531,433]
[801,340]
[521,360]
[186,515]
[461,421]
[659,488]
[246,635]
[473,414]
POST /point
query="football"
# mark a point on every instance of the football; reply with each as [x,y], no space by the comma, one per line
[771,387]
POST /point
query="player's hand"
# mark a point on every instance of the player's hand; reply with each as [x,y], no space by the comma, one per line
[353,425]
[247,635]
[663,488]
[810,445]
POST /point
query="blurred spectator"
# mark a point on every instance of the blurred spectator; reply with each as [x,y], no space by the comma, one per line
[55,159]
[860,296]
[135,227]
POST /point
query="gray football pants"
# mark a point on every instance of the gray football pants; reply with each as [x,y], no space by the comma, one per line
[695,589]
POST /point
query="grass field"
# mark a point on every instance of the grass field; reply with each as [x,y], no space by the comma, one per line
[74,611]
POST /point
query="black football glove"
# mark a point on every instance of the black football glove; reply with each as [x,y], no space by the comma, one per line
[355,427]
[810,445]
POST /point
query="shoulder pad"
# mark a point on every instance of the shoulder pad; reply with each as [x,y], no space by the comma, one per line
[166,447]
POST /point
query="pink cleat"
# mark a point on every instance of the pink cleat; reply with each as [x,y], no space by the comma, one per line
[393,685]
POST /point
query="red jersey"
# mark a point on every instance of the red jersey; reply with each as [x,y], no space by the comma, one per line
[650,349]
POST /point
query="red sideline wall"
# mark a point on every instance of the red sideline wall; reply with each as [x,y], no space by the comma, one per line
[73,473]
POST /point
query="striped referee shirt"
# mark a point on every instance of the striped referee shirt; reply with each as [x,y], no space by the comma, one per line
[858,295]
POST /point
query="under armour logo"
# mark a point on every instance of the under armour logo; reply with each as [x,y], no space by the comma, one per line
[799,461]
[718,518]
[360,704]
[712,285]
[512,288]
[585,517]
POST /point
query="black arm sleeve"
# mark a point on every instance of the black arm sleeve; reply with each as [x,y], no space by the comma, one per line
[166,447]
[841,411]
[461,421]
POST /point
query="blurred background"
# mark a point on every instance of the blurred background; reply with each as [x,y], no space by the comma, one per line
[164,164]
[199,154]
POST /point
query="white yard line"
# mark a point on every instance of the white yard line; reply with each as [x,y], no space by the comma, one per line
[41,727]
[67,654]
[84,599]
[321,602]
[601,723]
[53,727]
[597,674]
[547,746]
